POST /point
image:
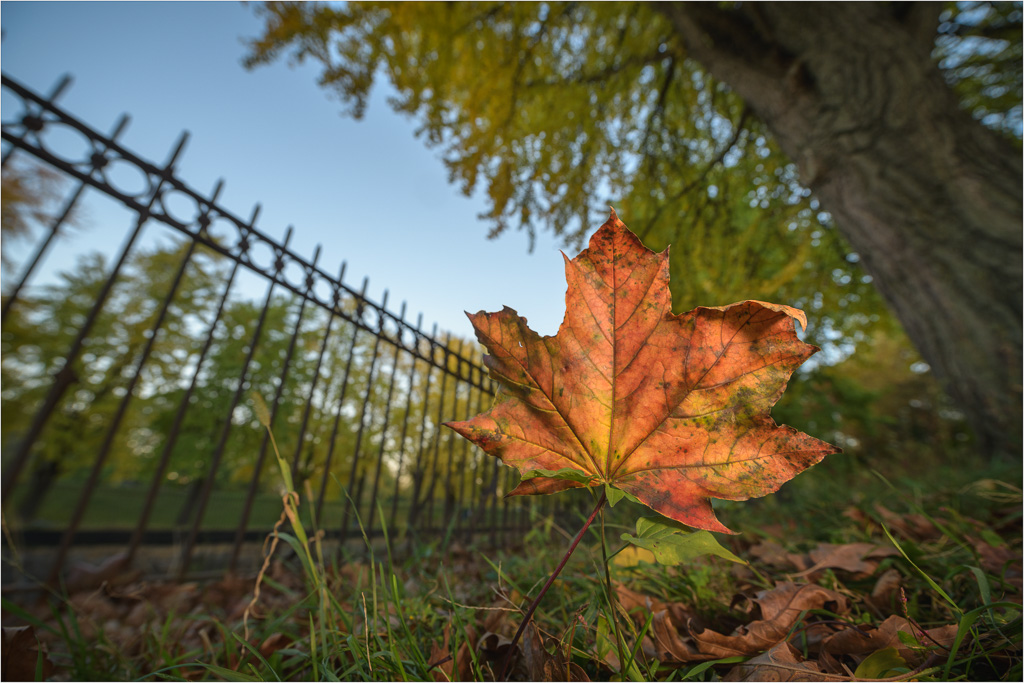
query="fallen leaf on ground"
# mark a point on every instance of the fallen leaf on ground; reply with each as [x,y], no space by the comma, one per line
[778,609]
[865,640]
[775,555]
[671,409]
[22,654]
[884,592]
[913,526]
[997,559]
[83,576]
[632,601]
[273,643]
[671,640]
[859,559]
[781,663]
[668,638]
[543,666]
[453,668]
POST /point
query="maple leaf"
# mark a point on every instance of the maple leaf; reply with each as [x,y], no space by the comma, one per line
[671,409]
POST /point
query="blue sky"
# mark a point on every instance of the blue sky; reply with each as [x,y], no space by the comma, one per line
[370,192]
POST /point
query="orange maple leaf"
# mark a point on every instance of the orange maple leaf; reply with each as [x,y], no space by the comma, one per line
[671,409]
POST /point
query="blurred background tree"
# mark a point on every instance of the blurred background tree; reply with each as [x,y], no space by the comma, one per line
[368,454]
[852,159]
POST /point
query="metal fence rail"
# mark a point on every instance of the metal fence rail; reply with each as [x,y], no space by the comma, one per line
[164,386]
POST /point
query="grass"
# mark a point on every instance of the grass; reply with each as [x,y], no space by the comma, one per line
[444,610]
[119,506]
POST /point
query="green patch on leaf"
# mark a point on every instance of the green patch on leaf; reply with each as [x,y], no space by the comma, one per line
[881,664]
[566,473]
[672,543]
[614,495]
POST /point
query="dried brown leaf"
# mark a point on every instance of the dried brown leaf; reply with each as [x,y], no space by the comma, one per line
[774,554]
[543,666]
[912,526]
[781,663]
[273,643]
[865,640]
[882,594]
[459,667]
[779,610]
[859,559]
[670,640]
[83,576]
[22,653]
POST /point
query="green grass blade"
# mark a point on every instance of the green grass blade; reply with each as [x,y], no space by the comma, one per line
[927,578]
[256,653]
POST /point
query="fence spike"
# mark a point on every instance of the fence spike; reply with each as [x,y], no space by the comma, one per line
[182,140]
[119,127]
[435,353]
[62,84]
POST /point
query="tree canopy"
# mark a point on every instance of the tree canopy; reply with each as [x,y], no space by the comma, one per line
[806,155]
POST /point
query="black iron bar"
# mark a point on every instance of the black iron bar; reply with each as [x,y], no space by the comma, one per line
[183,405]
[98,160]
[428,499]
[58,89]
[457,363]
[419,467]
[354,491]
[337,413]
[111,147]
[218,451]
[316,379]
[384,428]
[456,489]
[475,481]
[112,428]
[66,375]
[254,483]
[411,380]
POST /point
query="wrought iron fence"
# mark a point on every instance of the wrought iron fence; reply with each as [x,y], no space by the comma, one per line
[130,390]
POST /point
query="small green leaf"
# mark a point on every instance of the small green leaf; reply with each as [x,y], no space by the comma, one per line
[700,668]
[564,473]
[673,544]
[992,538]
[908,639]
[881,664]
[614,495]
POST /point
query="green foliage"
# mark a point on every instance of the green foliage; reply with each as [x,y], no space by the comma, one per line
[550,106]
[29,197]
[547,107]
[673,543]
[979,50]
[44,322]
[385,617]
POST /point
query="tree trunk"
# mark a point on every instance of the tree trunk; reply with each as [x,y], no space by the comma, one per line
[929,198]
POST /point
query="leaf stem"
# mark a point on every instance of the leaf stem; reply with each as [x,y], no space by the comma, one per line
[611,596]
[551,580]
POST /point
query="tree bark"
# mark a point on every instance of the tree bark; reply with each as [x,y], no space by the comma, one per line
[928,197]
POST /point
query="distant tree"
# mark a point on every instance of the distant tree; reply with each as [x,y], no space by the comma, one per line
[39,332]
[703,120]
[28,200]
